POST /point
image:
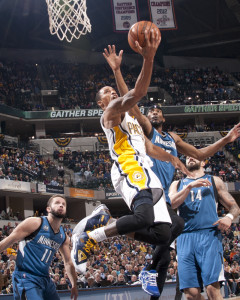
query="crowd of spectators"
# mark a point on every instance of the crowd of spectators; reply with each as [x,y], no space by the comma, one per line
[20,84]
[91,169]
[198,128]
[77,84]
[219,165]
[20,164]
[234,149]
[197,86]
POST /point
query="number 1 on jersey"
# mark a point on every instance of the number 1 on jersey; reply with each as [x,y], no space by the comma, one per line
[198,196]
[46,255]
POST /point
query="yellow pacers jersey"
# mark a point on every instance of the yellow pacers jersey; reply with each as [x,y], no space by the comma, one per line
[131,171]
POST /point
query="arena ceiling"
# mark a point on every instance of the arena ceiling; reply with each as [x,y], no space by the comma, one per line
[209,28]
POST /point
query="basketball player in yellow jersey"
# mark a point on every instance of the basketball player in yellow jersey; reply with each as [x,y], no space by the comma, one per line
[131,172]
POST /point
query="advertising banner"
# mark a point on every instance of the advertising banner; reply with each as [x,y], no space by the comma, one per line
[112,194]
[41,188]
[13,185]
[81,193]
[52,189]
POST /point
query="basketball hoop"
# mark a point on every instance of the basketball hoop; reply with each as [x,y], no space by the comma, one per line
[68,18]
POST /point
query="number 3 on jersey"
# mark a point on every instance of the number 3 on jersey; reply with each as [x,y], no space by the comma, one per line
[198,195]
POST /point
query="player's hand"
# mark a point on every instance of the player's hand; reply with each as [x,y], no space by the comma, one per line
[112,58]
[233,134]
[224,223]
[199,183]
[176,162]
[74,293]
[152,42]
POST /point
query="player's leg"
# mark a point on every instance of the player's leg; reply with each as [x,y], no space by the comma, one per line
[159,233]
[190,280]
[143,216]
[161,255]
[214,292]
[35,293]
[26,286]
[18,288]
[179,293]
[193,294]
[50,292]
[212,264]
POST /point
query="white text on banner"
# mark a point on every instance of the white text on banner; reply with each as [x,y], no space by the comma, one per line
[125,14]
[14,185]
[163,14]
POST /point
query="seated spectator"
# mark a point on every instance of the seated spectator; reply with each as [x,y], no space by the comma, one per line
[134,280]
[90,282]
[62,285]
[54,182]
[110,280]
[171,276]
[120,280]
[97,280]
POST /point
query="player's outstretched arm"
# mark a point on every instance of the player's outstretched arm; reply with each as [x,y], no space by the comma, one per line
[24,229]
[177,198]
[123,104]
[228,202]
[205,152]
[68,264]
[160,154]
[114,62]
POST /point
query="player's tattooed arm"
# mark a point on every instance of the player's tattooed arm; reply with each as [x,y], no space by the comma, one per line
[228,202]
[226,198]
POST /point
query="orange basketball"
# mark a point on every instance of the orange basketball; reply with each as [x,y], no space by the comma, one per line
[136,33]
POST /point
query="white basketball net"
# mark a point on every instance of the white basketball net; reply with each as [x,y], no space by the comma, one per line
[68,18]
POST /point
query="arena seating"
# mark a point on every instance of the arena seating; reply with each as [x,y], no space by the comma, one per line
[77,84]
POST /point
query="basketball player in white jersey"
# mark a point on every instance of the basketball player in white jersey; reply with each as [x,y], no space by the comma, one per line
[131,172]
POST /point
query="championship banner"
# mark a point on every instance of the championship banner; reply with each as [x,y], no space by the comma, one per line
[162,14]
[125,14]
[81,193]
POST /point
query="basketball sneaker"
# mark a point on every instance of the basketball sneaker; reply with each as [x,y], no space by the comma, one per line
[81,251]
[149,283]
[98,218]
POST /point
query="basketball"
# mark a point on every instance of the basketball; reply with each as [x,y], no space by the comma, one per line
[136,33]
